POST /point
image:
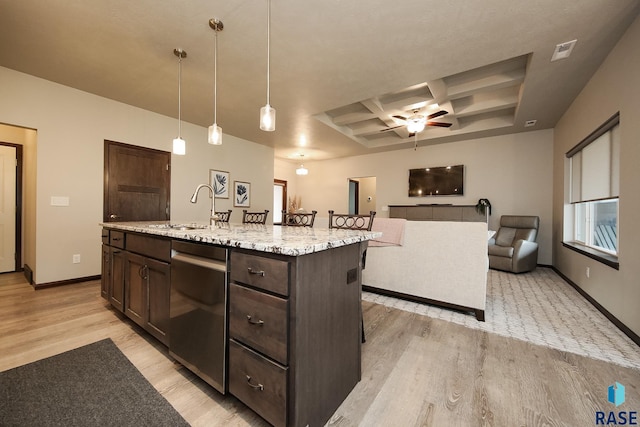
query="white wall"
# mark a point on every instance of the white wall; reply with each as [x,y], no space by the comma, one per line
[71,128]
[614,87]
[286,171]
[514,172]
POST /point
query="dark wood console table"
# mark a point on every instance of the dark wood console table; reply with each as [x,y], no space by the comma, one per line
[435,212]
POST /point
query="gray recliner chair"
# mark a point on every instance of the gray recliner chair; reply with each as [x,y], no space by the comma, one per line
[514,246]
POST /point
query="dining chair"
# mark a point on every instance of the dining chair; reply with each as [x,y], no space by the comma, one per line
[224,216]
[350,221]
[254,217]
[298,219]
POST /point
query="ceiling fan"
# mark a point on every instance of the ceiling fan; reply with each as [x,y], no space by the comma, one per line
[416,122]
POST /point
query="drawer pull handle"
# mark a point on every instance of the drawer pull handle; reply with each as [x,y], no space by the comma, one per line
[257,387]
[115,239]
[259,272]
[253,322]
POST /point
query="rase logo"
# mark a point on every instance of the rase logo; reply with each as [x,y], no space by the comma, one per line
[615,395]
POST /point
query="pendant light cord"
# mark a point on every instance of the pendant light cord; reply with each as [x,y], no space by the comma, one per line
[215,79]
[268,50]
[179,96]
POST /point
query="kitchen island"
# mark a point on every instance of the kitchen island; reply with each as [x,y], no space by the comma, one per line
[291,313]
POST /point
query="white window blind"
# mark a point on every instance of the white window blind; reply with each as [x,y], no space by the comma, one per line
[595,164]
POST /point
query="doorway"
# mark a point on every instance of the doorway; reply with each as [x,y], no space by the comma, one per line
[362,195]
[10,207]
[279,199]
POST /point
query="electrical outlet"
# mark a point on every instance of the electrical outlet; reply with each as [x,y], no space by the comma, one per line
[76,259]
[587,272]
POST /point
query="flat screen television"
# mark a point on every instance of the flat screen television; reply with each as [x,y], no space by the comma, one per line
[438,181]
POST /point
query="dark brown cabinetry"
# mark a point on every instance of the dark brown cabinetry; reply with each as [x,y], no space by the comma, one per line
[259,329]
[147,290]
[105,279]
[294,329]
[136,279]
[116,292]
[112,283]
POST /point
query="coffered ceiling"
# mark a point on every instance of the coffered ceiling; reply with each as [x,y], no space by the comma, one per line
[340,70]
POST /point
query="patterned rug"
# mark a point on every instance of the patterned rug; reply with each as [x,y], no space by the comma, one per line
[539,307]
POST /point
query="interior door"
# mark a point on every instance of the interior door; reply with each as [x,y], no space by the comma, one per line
[7,209]
[137,183]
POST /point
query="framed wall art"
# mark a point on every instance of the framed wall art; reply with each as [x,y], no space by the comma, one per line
[241,194]
[219,181]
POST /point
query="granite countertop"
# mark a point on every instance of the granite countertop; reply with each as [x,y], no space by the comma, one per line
[277,239]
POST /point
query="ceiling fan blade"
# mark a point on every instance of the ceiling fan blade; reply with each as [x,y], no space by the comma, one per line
[439,124]
[437,114]
[391,128]
[400,118]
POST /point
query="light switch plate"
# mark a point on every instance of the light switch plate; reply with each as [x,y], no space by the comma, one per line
[59,201]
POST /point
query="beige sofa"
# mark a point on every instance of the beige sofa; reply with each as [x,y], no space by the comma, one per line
[439,262]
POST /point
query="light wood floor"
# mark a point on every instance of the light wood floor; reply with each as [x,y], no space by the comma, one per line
[417,371]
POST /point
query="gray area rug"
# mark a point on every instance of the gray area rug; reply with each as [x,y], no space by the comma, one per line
[94,385]
[541,308]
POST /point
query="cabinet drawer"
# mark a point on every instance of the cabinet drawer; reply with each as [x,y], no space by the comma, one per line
[116,239]
[153,247]
[259,321]
[264,273]
[258,382]
[105,236]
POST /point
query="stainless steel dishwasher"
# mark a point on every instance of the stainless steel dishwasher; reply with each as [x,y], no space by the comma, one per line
[198,307]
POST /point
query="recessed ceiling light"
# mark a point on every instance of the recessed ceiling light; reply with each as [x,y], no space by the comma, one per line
[530,123]
[563,50]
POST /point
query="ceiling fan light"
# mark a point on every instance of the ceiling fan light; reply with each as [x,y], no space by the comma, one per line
[415,126]
[215,135]
[179,146]
[268,118]
[302,170]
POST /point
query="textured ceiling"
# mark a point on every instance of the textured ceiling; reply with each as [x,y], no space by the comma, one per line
[339,69]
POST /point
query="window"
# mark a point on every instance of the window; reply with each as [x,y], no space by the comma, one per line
[594,190]
[596,225]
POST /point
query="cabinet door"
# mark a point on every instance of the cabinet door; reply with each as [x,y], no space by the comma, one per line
[116,291]
[159,290]
[136,276]
[105,279]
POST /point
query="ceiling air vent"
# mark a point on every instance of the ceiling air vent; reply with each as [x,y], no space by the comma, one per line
[563,50]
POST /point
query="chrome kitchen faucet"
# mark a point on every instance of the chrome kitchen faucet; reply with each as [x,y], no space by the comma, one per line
[194,199]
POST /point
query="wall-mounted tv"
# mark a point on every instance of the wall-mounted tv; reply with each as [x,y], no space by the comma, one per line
[438,181]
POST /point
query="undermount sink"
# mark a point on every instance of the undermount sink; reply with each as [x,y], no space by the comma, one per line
[180,227]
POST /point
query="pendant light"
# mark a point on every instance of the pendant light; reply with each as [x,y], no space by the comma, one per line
[215,131]
[302,170]
[268,113]
[179,145]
